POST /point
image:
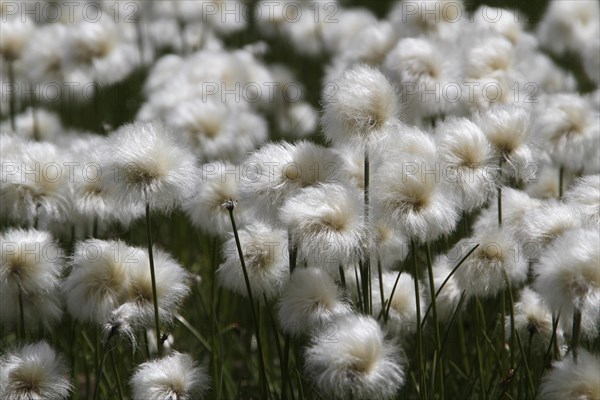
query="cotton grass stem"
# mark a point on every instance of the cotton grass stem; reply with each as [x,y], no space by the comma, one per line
[263,374]
[21,331]
[500,162]
[159,344]
[100,367]
[419,329]
[12,98]
[576,332]
[561,181]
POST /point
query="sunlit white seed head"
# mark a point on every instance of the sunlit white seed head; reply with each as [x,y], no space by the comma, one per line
[484,272]
[32,261]
[327,224]
[543,224]
[299,120]
[515,203]
[389,245]
[570,379]
[44,55]
[219,183]
[568,278]
[337,37]
[492,56]
[567,127]
[265,253]
[466,155]
[508,129]
[439,19]
[172,286]
[99,279]
[546,185]
[448,298]
[45,124]
[176,376]
[403,307]
[568,26]
[412,197]
[16,33]
[505,22]
[370,45]
[35,184]
[35,372]
[310,301]
[278,171]
[533,322]
[357,361]
[585,196]
[147,164]
[216,130]
[359,106]
[591,60]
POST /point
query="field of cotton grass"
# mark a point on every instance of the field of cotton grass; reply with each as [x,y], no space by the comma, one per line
[299,199]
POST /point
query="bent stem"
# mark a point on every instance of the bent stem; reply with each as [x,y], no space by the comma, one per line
[21,329]
[153,279]
[576,332]
[263,373]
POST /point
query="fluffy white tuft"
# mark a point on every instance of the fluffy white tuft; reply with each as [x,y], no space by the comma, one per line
[585,196]
[310,301]
[34,372]
[176,376]
[570,379]
[355,360]
[266,256]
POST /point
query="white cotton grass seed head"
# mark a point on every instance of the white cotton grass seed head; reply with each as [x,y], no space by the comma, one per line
[35,184]
[219,183]
[567,277]
[389,245]
[362,106]
[403,308]
[543,224]
[216,130]
[484,272]
[147,164]
[357,362]
[278,171]
[176,376]
[508,130]
[466,155]
[310,301]
[585,196]
[172,286]
[411,197]
[566,126]
[327,224]
[32,260]
[99,279]
[546,186]
[34,372]
[570,379]
[264,250]
[515,204]
[533,322]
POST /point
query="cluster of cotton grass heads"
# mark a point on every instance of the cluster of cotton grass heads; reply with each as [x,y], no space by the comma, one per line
[423,221]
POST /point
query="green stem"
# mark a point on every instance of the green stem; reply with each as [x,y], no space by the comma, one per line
[342,276]
[21,331]
[366,270]
[100,367]
[500,162]
[380,274]
[263,373]
[419,329]
[12,100]
[153,279]
[293,251]
[561,181]
[116,371]
[478,349]
[576,332]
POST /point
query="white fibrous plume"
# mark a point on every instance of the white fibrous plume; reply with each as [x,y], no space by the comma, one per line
[360,362]
[327,224]
[568,279]
[389,246]
[265,254]
[584,195]
[31,265]
[310,301]
[176,376]
[34,371]
[361,105]
[572,379]
[146,164]
[448,295]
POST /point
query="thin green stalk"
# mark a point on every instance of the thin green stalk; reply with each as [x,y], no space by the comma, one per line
[478,326]
[576,332]
[12,100]
[273,325]
[500,162]
[159,344]
[100,367]
[263,373]
[342,276]
[380,275]
[561,181]
[358,289]
[512,320]
[22,334]
[528,372]
[293,251]
[116,371]
[366,265]
[389,302]
[419,329]
[436,326]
